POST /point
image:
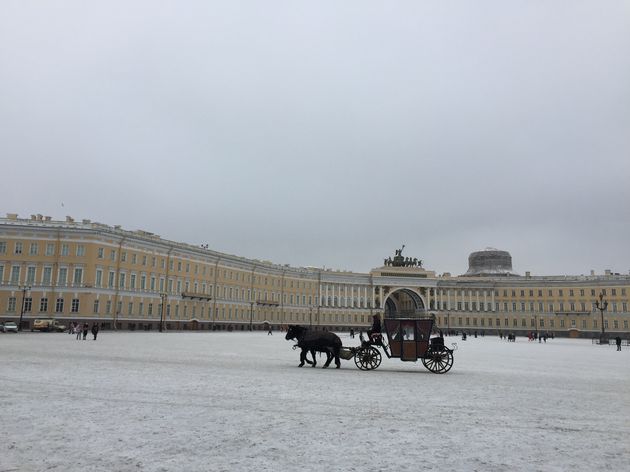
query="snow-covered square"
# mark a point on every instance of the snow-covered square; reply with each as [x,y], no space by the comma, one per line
[219,401]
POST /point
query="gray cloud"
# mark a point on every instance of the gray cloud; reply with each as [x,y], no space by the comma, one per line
[328,134]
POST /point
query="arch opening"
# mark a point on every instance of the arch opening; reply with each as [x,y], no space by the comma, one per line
[404,303]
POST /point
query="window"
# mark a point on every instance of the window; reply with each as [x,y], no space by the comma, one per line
[99,278]
[11,305]
[143,282]
[3,247]
[134,259]
[80,250]
[150,309]
[65,250]
[34,249]
[18,247]
[95,307]
[75,305]
[50,249]
[132,281]
[47,276]
[28,304]
[100,253]
[112,255]
[62,276]
[30,275]
[121,280]
[108,307]
[123,256]
[15,275]
[78,276]
[110,281]
[130,308]
[59,305]
[43,304]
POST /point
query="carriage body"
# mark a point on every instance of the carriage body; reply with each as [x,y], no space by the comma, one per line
[408,338]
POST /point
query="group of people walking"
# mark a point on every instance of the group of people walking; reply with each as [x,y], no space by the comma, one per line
[81,330]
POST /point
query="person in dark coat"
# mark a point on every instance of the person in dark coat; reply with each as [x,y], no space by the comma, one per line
[376,326]
[86,327]
[94,330]
[618,343]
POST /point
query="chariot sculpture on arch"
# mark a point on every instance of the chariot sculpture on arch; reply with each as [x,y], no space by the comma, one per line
[400,261]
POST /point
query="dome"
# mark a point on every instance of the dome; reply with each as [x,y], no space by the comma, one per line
[489,262]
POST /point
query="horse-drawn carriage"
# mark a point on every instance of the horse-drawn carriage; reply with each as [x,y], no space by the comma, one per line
[407,339]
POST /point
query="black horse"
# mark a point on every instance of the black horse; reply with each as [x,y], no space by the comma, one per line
[310,340]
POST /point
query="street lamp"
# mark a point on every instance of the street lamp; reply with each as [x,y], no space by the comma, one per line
[251,314]
[601,305]
[24,290]
[163,296]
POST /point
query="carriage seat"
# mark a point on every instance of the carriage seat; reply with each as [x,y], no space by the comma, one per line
[374,338]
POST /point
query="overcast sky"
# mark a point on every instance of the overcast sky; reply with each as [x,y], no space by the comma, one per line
[327,133]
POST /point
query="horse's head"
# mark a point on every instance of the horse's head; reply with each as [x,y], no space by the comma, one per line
[293,332]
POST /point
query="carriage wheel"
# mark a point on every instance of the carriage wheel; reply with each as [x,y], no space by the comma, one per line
[367,358]
[438,361]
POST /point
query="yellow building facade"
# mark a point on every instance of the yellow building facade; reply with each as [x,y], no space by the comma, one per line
[86,271]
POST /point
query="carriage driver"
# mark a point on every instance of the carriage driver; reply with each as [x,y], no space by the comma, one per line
[374,333]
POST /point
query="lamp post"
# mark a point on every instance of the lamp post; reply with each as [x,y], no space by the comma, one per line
[24,290]
[601,305]
[251,314]
[163,296]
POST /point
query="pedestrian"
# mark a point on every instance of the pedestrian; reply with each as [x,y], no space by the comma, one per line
[618,342]
[77,330]
[94,330]
[269,333]
[86,328]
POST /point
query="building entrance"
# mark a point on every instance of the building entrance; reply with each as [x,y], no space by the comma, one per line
[404,303]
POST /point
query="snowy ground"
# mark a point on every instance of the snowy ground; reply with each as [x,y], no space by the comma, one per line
[237,401]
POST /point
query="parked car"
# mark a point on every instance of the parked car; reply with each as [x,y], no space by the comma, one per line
[10,326]
[48,324]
